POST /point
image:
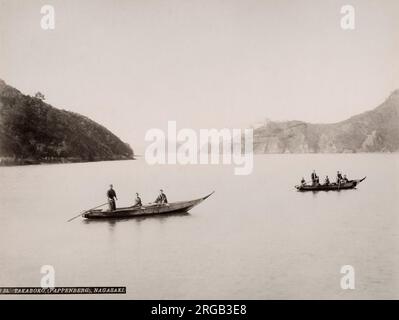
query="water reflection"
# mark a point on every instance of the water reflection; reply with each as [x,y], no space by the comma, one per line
[159,217]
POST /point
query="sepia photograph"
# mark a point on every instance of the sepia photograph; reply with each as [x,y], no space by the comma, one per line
[188,150]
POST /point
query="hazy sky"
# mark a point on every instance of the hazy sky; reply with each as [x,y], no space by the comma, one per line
[134,65]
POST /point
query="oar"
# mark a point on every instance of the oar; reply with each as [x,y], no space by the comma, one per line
[86,211]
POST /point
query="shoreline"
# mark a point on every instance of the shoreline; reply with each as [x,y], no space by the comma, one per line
[35,162]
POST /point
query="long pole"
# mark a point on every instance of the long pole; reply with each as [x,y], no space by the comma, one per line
[86,211]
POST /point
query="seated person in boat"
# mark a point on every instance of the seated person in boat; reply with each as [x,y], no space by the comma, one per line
[339,177]
[327,181]
[111,195]
[345,179]
[303,182]
[161,199]
[137,201]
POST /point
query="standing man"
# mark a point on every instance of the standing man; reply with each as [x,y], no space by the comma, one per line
[111,194]
[161,198]
[313,177]
[339,177]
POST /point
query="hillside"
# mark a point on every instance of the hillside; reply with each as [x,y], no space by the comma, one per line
[372,131]
[32,131]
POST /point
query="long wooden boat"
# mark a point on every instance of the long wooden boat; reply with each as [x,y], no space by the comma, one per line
[145,210]
[330,187]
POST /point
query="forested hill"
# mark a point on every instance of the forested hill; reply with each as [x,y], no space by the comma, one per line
[32,131]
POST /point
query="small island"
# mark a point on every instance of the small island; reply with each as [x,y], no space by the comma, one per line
[34,132]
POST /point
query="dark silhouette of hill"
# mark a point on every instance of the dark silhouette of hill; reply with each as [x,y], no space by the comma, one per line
[32,131]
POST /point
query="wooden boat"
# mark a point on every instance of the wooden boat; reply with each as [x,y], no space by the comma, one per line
[331,187]
[145,210]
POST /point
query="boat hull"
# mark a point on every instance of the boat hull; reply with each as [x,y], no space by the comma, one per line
[146,210]
[331,187]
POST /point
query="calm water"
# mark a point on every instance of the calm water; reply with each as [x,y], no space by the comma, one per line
[255,238]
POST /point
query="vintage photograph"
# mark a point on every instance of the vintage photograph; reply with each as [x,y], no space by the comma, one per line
[199,150]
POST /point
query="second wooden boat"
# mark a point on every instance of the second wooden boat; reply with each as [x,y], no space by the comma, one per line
[330,187]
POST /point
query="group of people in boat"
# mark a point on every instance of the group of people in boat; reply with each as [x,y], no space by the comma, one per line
[316,180]
[111,195]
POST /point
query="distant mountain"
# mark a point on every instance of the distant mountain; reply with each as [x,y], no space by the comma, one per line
[372,131]
[32,131]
